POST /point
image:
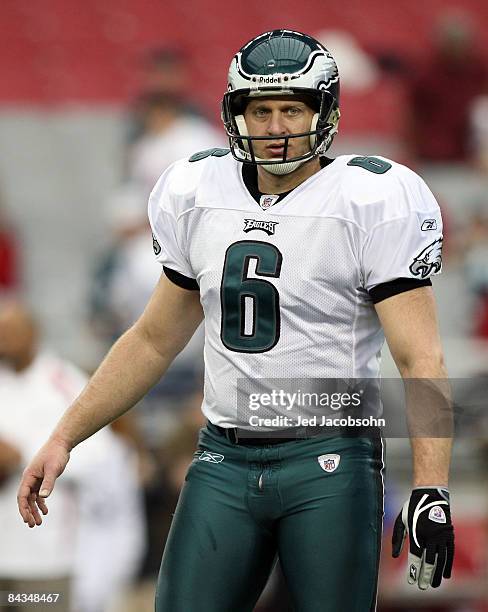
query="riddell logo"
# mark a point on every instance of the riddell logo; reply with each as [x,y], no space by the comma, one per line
[269,79]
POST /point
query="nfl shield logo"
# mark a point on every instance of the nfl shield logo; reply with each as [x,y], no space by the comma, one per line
[329,463]
[266,201]
[437,515]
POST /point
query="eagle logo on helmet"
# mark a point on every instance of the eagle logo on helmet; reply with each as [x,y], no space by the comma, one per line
[428,261]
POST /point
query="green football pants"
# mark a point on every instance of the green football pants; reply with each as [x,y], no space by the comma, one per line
[241,506]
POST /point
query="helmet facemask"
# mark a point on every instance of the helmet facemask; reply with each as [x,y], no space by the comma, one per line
[322,129]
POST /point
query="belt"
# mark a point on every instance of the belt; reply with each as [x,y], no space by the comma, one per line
[235,435]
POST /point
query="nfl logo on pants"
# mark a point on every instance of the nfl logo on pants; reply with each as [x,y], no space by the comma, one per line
[329,463]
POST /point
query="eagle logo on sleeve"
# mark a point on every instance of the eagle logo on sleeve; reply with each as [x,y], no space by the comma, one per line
[156,246]
[428,261]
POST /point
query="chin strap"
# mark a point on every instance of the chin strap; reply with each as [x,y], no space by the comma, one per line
[284,168]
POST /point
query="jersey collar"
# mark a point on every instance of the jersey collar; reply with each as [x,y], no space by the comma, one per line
[250,179]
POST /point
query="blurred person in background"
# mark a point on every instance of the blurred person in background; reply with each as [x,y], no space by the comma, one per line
[126,273]
[441,92]
[172,459]
[124,279]
[479,131]
[165,71]
[169,445]
[164,125]
[474,246]
[169,133]
[92,547]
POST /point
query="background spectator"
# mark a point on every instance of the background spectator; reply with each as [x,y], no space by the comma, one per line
[442,91]
[479,131]
[476,267]
[90,547]
[169,133]
[163,71]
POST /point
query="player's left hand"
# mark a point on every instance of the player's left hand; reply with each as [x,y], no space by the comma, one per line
[426,518]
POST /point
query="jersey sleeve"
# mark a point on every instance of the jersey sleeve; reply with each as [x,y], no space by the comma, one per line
[407,246]
[169,241]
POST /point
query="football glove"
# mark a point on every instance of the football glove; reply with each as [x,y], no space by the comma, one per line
[426,517]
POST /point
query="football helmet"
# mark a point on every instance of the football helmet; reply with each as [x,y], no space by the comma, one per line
[288,63]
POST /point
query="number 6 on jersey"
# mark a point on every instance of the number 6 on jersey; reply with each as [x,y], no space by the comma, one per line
[250,305]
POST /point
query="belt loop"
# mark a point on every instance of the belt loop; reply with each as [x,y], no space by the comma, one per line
[231,434]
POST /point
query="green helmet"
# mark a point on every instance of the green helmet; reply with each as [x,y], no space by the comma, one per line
[282,62]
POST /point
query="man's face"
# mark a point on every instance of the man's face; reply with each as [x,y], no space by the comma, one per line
[279,116]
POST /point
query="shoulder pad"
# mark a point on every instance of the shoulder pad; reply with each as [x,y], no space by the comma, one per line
[378,190]
[369,179]
[372,164]
[215,152]
[176,188]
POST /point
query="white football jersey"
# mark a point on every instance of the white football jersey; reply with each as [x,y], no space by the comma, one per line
[285,290]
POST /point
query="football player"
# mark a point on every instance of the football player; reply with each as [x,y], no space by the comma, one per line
[300,266]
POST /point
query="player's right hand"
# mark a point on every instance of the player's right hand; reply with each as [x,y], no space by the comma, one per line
[38,481]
